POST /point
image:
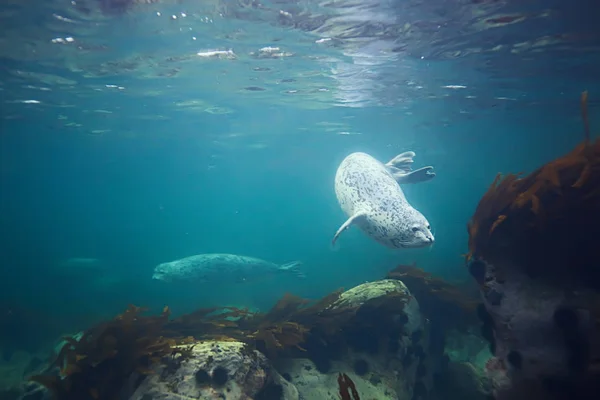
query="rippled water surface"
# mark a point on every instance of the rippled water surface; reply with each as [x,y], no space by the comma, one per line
[307,54]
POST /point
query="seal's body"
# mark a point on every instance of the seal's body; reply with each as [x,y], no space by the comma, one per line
[369,193]
[220,268]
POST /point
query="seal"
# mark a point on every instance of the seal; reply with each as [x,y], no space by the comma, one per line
[369,192]
[221,268]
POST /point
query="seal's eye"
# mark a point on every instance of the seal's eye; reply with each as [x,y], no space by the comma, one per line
[428,227]
[415,229]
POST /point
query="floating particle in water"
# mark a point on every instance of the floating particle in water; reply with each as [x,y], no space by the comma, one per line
[254,89]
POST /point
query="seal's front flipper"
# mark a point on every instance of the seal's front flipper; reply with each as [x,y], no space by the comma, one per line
[353,219]
[419,175]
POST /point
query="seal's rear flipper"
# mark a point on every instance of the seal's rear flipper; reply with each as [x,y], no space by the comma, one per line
[356,217]
[293,268]
[401,170]
[419,175]
[401,163]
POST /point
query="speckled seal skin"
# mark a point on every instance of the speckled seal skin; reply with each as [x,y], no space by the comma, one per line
[221,268]
[369,192]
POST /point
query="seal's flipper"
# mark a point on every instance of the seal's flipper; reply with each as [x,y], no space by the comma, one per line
[353,219]
[293,268]
[419,175]
[402,162]
[401,169]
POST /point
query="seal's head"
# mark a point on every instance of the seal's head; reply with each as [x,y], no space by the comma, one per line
[163,272]
[175,271]
[413,231]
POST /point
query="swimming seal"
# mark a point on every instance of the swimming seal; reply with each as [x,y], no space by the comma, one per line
[369,193]
[217,268]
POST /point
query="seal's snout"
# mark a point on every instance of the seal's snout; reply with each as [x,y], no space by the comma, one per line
[157,277]
[431,238]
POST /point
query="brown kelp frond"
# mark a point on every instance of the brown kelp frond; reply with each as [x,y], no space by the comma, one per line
[285,308]
[287,325]
[439,300]
[98,364]
[544,221]
[280,330]
[347,388]
[290,325]
[209,323]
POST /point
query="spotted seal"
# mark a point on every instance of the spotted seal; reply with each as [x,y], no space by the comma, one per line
[369,193]
[221,268]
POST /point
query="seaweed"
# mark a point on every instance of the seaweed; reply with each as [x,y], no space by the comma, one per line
[100,363]
[439,300]
[347,388]
[296,327]
[279,331]
[546,223]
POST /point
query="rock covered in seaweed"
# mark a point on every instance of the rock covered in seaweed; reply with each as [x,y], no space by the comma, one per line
[381,343]
[373,333]
[450,307]
[534,253]
[359,295]
[216,370]
[383,349]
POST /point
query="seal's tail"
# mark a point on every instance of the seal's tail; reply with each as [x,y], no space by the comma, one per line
[402,162]
[293,267]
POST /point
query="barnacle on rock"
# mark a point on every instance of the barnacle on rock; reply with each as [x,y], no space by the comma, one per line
[545,223]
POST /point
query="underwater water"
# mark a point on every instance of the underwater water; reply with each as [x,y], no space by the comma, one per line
[138,133]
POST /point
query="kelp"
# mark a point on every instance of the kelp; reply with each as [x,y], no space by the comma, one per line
[347,388]
[100,363]
[279,331]
[546,223]
[295,326]
[440,301]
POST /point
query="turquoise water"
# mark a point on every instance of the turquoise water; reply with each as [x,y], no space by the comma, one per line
[120,143]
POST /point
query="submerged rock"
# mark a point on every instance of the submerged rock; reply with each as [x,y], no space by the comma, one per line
[359,295]
[533,251]
[377,383]
[216,370]
[372,334]
[385,352]
[15,370]
[383,349]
